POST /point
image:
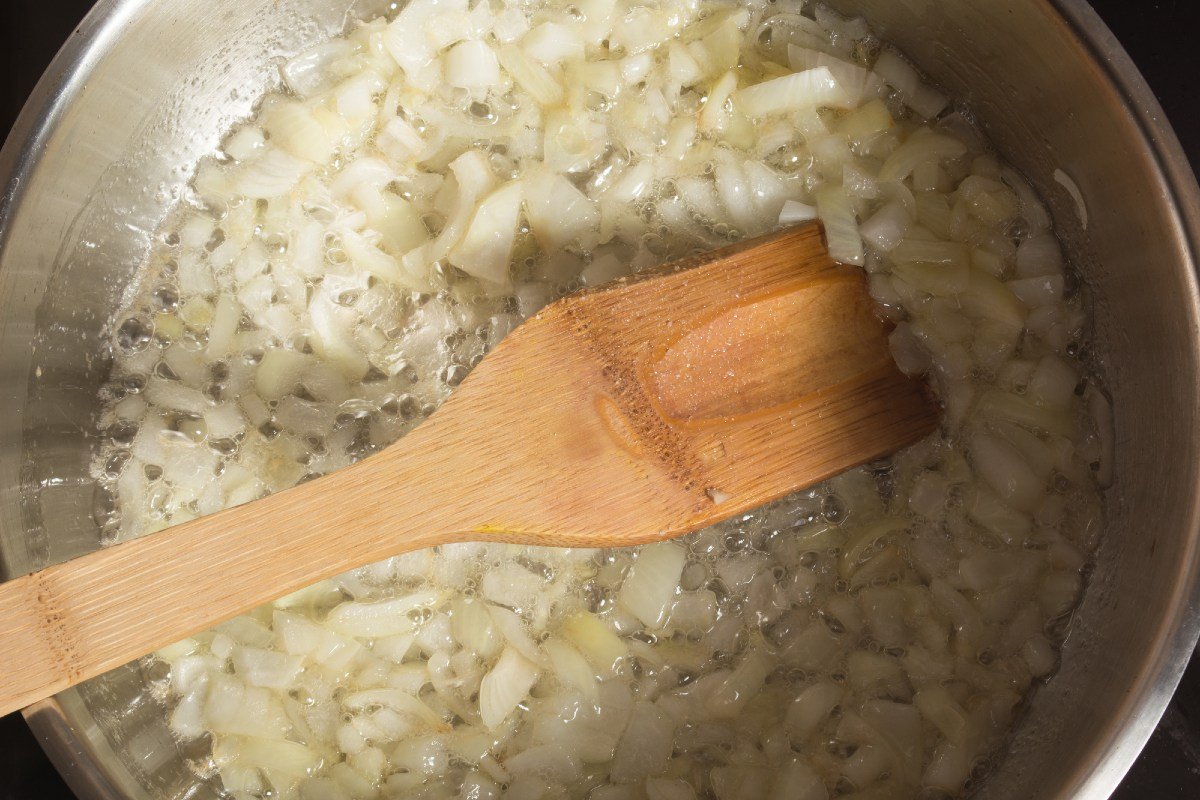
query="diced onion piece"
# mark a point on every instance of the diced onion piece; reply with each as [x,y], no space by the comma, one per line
[227,316]
[473,179]
[713,114]
[1039,255]
[572,142]
[408,43]
[987,298]
[505,686]
[531,76]
[645,747]
[938,706]
[333,334]
[233,708]
[652,582]
[384,618]
[602,270]
[399,140]
[293,127]
[860,84]
[742,684]
[512,629]
[398,700]
[371,259]
[558,212]
[285,763]
[736,781]
[841,226]
[682,66]
[279,372]
[551,762]
[721,49]
[485,251]
[397,221]
[260,667]
[595,640]
[1046,290]
[1052,383]
[998,404]
[643,28]
[862,539]
[572,668]
[669,789]
[1004,469]
[552,43]
[866,123]
[919,148]
[939,268]
[927,101]
[987,509]
[245,143]
[272,174]
[355,98]
[1040,655]
[886,228]
[795,212]
[472,65]
[797,780]
[300,636]
[809,89]
[471,626]
[898,73]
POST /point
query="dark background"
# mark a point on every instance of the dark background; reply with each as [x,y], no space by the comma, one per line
[1159,35]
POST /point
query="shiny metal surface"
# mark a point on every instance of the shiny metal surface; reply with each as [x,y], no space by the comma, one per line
[147,86]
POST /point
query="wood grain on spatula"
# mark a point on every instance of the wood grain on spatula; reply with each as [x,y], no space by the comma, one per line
[633,413]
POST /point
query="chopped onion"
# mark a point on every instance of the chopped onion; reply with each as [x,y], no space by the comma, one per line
[386,618]
[551,43]
[919,148]
[841,226]
[1003,468]
[472,65]
[800,90]
[531,75]
[742,684]
[293,127]
[486,249]
[798,781]
[558,212]
[669,789]
[603,648]
[645,746]
[505,686]
[794,212]
[571,668]
[652,582]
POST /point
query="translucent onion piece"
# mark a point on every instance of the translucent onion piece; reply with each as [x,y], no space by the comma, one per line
[505,686]
[652,582]
[800,90]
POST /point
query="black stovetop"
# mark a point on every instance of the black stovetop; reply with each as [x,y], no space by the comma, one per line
[1159,35]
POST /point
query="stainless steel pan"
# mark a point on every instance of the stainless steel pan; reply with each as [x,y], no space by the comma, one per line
[147,86]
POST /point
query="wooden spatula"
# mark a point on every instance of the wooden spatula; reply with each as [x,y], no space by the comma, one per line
[629,414]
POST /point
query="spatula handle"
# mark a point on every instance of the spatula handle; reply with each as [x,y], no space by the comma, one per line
[75,620]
